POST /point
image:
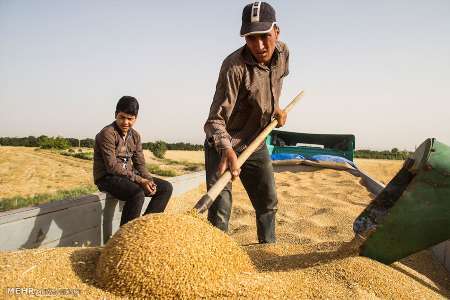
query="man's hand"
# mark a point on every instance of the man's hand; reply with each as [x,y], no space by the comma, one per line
[149,186]
[281,116]
[229,161]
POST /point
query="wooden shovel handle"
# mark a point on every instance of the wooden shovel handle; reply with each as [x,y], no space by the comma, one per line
[206,201]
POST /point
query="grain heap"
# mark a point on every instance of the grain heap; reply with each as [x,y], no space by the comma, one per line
[69,272]
[165,255]
[66,272]
[313,259]
[315,256]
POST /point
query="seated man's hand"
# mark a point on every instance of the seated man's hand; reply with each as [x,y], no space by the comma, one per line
[152,187]
[229,161]
[149,186]
[281,116]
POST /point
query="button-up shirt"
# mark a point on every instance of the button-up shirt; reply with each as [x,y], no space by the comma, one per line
[118,155]
[247,92]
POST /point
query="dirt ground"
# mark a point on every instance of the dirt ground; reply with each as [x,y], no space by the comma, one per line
[30,171]
[380,169]
[186,161]
[189,156]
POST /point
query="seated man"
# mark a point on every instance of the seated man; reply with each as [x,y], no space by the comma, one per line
[119,165]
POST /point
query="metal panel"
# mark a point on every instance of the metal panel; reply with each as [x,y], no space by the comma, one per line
[50,226]
[87,220]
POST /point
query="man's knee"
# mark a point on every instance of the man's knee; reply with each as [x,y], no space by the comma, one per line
[164,186]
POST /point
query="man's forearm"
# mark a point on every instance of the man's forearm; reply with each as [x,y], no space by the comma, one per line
[143,173]
[216,132]
[139,164]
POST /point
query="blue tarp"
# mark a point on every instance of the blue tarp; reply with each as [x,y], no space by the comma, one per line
[286,156]
[333,158]
[317,157]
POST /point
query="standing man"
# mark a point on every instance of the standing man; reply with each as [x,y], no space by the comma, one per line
[119,165]
[246,99]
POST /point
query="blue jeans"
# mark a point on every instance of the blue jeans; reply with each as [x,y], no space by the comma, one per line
[258,180]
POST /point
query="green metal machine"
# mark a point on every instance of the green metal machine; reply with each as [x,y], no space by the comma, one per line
[309,144]
[412,213]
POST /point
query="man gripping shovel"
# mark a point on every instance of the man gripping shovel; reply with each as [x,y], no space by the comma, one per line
[245,102]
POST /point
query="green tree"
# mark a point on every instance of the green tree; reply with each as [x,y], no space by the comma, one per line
[45,142]
[61,143]
[158,148]
[53,143]
[87,143]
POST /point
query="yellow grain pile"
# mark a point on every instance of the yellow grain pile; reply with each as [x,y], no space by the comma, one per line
[181,256]
[333,271]
[165,255]
[69,272]
[55,272]
[315,256]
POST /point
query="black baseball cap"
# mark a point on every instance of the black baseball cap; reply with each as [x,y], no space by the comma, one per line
[257,17]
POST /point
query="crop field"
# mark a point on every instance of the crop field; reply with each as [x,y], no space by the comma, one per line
[33,175]
[30,171]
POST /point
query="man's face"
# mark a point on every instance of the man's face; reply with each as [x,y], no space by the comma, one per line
[125,121]
[262,45]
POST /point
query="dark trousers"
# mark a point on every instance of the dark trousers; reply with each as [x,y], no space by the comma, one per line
[133,194]
[258,180]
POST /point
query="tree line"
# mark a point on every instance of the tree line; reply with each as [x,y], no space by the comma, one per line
[393,154]
[47,142]
[160,147]
[58,142]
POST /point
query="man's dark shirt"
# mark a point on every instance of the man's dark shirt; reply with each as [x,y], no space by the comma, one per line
[115,155]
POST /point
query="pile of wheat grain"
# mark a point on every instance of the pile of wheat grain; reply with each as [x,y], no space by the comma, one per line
[164,255]
[65,271]
[180,256]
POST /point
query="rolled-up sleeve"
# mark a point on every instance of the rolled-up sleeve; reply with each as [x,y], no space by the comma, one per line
[224,100]
[286,65]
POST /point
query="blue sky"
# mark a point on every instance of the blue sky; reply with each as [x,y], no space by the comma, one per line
[376,69]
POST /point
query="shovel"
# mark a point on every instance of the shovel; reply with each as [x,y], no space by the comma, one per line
[207,200]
